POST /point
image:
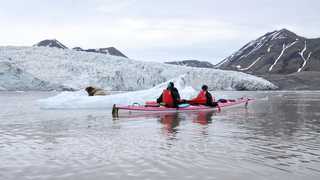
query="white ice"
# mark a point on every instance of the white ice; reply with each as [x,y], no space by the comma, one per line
[76,70]
[80,99]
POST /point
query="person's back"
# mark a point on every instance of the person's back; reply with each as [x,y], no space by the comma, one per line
[210,99]
[170,96]
[175,94]
[204,98]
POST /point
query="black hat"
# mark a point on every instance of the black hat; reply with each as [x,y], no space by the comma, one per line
[204,87]
[170,85]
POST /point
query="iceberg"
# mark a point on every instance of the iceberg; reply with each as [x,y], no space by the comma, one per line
[80,99]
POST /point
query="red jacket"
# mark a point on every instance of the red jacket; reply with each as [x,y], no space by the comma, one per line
[167,98]
[200,99]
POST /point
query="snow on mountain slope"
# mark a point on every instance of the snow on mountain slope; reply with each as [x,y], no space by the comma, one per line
[109,50]
[278,52]
[77,70]
[192,63]
[51,43]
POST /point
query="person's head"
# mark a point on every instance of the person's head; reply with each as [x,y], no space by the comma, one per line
[170,85]
[204,87]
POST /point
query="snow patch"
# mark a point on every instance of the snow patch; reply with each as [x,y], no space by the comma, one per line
[254,45]
[278,35]
[247,68]
[284,47]
[257,47]
[302,56]
[61,45]
[269,48]
[104,51]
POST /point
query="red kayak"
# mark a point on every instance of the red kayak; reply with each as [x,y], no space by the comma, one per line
[154,107]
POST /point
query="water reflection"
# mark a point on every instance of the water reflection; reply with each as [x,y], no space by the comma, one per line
[204,117]
[278,135]
[170,122]
[283,116]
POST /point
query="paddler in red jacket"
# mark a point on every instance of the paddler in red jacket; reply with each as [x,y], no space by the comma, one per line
[204,98]
[170,96]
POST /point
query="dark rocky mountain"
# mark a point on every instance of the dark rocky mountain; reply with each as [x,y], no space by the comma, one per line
[278,52]
[110,50]
[192,63]
[51,43]
[55,43]
[289,61]
[78,49]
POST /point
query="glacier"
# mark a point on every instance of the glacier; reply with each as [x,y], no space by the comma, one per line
[46,68]
[15,79]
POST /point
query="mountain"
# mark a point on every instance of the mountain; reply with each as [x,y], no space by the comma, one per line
[78,49]
[55,43]
[78,69]
[192,63]
[277,52]
[51,43]
[109,50]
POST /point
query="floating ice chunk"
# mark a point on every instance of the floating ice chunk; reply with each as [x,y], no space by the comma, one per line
[80,99]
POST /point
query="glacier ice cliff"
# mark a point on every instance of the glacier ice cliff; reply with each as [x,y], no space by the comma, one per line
[45,68]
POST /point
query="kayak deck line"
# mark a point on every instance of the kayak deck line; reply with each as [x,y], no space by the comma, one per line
[143,108]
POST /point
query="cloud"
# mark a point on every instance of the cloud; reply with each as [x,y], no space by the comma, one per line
[112,7]
[204,29]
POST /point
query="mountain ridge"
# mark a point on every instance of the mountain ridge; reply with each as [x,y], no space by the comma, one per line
[192,63]
[290,61]
[109,50]
[54,43]
[51,43]
[277,52]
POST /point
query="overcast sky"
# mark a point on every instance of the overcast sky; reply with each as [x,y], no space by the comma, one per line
[159,30]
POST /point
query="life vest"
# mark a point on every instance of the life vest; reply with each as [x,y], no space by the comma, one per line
[167,98]
[201,98]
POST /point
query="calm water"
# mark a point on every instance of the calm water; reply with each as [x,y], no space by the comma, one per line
[277,137]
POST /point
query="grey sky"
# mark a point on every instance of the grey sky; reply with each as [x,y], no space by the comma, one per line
[155,30]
